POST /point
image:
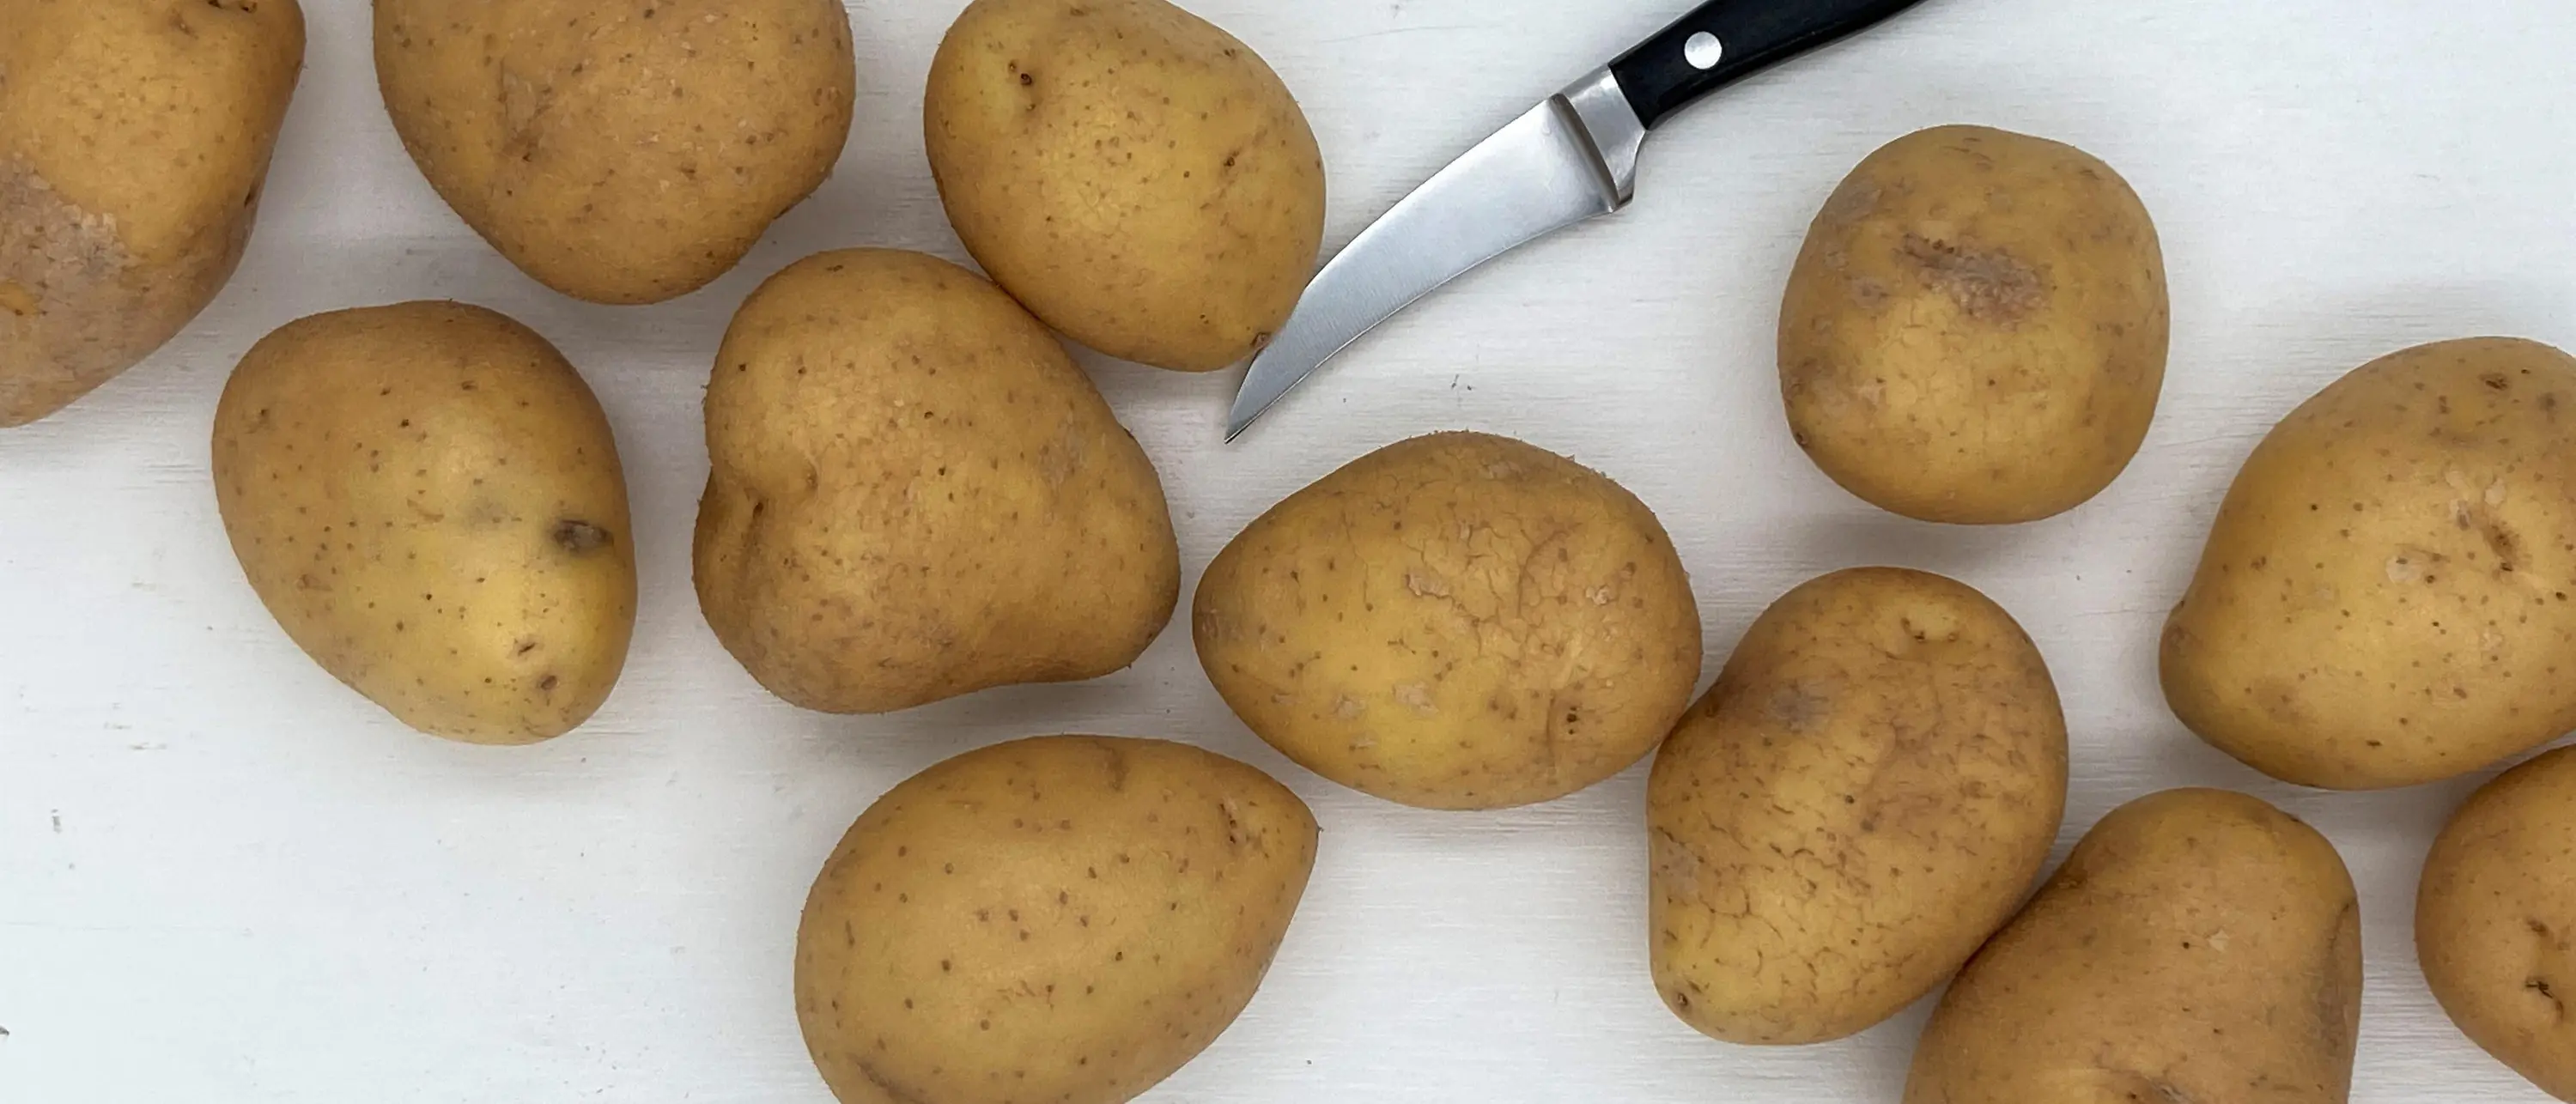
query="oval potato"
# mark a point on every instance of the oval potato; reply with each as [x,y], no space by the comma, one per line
[429,499]
[1136,176]
[619,151]
[1976,329]
[1458,621]
[1865,795]
[2495,920]
[135,137]
[2388,596]
[915,494]
[2198,946]
[1068,919]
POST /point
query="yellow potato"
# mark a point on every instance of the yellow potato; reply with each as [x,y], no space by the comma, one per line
[1459,621]
[1865,796]
[2495,920]
[1066,920]
[915,494]
[2389,594]
[620,151]
[429,500]
[134,140]
[2198,946]
[1140,179]
[1976,330]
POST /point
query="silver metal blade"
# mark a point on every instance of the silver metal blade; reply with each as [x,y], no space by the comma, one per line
[1571,158]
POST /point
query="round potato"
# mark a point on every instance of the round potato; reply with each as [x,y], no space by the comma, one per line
[2198,946]
[1066,920]
[1865,796]
[1144,182]
[429,500]
[2495,919]
[619,151]
[915,494]
[1976,330]
[2386,597]
[134,139]
[1459,621]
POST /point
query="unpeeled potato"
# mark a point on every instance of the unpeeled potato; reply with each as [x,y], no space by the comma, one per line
[2495,919]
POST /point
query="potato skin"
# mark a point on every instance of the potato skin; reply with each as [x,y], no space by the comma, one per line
[1976,330]
[915,494]
[2199,945]
[2495,919]
[1136,176]
[1068,919]
[1865,795]
[429,500]
[1458,621]
[619,151]
[2385,598]
[134,139]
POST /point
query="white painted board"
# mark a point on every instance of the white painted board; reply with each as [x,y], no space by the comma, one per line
[224,878]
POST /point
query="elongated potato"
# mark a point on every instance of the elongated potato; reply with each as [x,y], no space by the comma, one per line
[2388,596]
[1067,919]
[2495,920]
[429,500]
[134,140]
[1863,798]
[2198,946]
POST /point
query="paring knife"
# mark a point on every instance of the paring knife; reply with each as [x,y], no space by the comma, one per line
[1570,159]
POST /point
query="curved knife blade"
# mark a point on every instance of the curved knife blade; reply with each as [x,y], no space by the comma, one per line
[1571,158]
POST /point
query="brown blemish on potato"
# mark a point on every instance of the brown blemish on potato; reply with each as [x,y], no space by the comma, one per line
[580,538]
[16,298]
[1989,285]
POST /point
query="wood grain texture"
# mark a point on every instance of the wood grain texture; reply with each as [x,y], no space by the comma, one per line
[224,878]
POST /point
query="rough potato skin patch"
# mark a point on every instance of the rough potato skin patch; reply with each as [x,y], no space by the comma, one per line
[1067,920]
[1143,181]
[619,151]
[1976,329]
[429,500]
[2495,920]
[1865,795]
[916,494]
[2388,595]
[2198,947]
[134,138]
[1459,621]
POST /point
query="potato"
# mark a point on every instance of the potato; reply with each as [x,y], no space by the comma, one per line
[2386,596]
[1140,179]
[619,151]
[2495,919]
[134,140]
[1976,330]
[915,494]
[1866,795]
[2198,946]
[1066,920]
[1459,621]
[429,500]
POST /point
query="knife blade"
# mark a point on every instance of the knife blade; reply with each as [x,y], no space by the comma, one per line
[1571,159]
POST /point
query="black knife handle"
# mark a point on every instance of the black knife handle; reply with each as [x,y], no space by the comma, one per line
[1666,73]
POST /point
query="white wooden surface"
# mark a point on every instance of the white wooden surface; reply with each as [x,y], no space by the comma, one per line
[223,878]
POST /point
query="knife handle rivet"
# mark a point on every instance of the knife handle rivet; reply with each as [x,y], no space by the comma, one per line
[1703,51]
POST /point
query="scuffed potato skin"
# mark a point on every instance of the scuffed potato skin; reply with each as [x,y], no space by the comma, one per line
[1139,178]
[619,151]
[2495,920]
[1067,920]
[429,500]
[1976,329]
[2198,946]
[1866,794]
[1458,621]
[135,137]
[2388,596]
[916,494]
